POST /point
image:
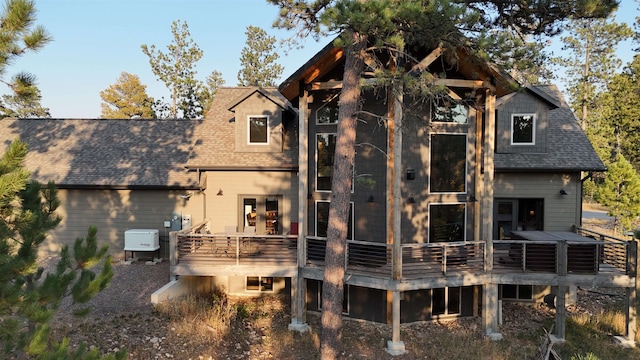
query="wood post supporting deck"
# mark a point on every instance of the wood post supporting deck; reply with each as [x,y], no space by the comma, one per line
[298,283]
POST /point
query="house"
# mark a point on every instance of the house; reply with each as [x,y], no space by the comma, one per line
[483,205]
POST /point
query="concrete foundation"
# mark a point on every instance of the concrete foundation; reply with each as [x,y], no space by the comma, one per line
[396,348]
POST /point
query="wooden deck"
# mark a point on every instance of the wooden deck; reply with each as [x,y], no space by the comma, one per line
[596,261]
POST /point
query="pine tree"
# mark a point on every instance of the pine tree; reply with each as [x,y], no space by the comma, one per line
[176,69]
[624,112]
[24,107]
[28,296]
[258,59]
[592,62]
[620,193]
[214,82]
[126,99]
[19,36]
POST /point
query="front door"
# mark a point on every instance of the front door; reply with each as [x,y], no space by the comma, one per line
[262,213]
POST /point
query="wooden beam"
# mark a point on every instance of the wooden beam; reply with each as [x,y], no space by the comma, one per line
[321,67]
[326,85]
[453,95]
[428,60]
[463,83]
[334,84]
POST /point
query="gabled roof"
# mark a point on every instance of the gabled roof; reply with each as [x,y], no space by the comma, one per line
[330,56]
[106,153]
[270,93]
[550,98]
[568,148]
[215,145]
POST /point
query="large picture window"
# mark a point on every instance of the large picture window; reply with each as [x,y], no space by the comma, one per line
[523,129]
[446,222]
[322,219]
[325,152]
[258,129]
[448,163]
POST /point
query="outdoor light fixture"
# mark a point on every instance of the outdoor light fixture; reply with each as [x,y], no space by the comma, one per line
[371,200]
[219,192]
[411,200]
[411,174]
[187,196]
[562,192]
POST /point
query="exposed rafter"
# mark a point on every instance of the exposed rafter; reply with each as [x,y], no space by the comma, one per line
[428,60]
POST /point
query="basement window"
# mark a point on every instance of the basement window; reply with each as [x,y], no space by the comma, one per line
[259,283]
[446,301]
[517,292]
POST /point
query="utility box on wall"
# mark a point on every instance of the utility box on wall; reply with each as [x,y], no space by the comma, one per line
[176,221]
[186,221]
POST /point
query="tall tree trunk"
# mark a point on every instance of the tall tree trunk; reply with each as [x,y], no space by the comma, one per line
[333,282]
[586,86]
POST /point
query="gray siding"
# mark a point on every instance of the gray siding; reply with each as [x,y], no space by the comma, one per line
[522,103]
[370,173]
[560,211]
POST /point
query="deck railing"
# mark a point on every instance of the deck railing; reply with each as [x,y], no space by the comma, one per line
[603,255]
[418,260]
[198,245]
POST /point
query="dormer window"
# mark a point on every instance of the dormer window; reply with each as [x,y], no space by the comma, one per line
[258,130]
[523,129]
[327,114]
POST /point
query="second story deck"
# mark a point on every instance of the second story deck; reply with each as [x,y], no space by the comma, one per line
[585,258]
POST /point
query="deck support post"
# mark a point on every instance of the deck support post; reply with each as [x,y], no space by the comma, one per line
[298,318]
[629,338]
[561,313]
[561,294]
[490,309]
[298,282]
[395,346]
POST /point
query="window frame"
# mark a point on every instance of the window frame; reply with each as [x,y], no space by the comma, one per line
[268,130]
[534,121]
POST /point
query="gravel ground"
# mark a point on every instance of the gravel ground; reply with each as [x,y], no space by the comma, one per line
[129,292]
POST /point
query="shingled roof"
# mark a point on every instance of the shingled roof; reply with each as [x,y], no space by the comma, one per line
[106,153]
[215,146]
[568,148]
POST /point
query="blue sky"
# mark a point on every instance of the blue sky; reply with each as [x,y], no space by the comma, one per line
[96,40]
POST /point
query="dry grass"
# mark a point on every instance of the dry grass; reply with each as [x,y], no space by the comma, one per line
[250,323]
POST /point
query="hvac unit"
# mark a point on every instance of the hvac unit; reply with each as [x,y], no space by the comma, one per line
[136,240]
